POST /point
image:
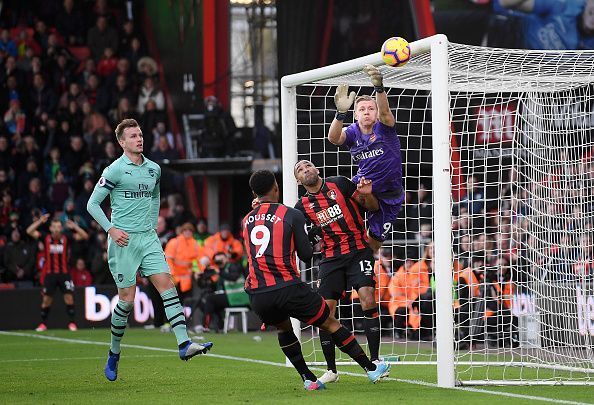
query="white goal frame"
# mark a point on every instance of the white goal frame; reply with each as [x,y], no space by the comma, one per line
[437,45]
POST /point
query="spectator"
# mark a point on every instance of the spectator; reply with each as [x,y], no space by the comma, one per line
[74,94]
[15,119]
[121,90]
[93,120]
[19,259]
[80,202]
[9,92]
[33,198]
[100,37]
[81,277]
[54,165]
[123,111]
[219,130]
[41,34]
[107,64]
[11,69]
[550,24]
[161,130]
[163,150]
[109,156]
[201,231]
[90,68]
[6,155]
[228,291]
[7,45]
[182,254]
[223,241]
[76,155]
[62,74]
[474,201]
[99,266]
[69,23]
[59,191]
[151,116]
[26,47]
[164,233]
[43,98]
[135,54]
[406,286]
[31,171]
[148,91]
[7,208]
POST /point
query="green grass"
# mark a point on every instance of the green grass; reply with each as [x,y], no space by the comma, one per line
[48,371]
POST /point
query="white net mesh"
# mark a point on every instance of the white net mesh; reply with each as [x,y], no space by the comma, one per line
[522,213]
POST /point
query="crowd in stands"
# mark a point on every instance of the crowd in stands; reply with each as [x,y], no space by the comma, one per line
[69,73]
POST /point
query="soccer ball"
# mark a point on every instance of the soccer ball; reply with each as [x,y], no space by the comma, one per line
[395,51]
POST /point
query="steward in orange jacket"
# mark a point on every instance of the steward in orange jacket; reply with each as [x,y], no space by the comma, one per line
[182,254]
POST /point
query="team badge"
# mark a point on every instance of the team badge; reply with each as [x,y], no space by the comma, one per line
[372,138]
[152,172]
[101,182]
[332,194]
[120,277]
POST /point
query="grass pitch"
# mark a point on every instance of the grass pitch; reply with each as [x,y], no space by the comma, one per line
[65,367]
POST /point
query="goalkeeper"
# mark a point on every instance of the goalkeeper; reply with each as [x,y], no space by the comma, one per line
[375,148]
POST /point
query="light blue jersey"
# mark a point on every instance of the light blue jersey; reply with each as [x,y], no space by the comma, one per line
[134,193]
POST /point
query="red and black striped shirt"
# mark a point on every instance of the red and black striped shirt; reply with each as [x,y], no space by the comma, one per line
[272,233]
[338,215]
[56,255]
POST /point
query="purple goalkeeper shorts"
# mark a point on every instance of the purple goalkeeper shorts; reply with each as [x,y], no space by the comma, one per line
[380,222]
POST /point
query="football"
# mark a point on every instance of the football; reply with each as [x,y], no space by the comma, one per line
[395,51]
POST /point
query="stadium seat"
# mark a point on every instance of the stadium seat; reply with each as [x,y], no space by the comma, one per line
[236,311]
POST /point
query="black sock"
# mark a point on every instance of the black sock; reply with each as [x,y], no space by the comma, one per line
[372,331]
[347,343]
[44,313]
[70,312]
[328,350]
[292,349]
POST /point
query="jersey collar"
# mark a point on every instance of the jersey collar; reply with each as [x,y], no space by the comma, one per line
[127,160]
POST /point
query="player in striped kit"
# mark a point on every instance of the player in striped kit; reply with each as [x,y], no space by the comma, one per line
[56,273]
[273,233]
[334,206]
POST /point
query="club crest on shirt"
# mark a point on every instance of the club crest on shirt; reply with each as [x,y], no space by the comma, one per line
[332,194]
[120,277]
[101,182]
[372,138]
[151,172]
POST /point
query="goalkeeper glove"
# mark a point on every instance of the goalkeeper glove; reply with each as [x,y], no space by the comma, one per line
[377,79]
[343,101]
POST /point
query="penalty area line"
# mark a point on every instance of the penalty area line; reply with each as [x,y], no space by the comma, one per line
[271,363]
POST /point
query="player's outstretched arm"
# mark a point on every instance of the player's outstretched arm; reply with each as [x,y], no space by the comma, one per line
[81,233]
[32,229]
[343,101]
[377,79]
[156,202]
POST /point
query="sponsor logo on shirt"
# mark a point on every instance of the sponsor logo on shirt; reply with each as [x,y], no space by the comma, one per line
[329,215]
[143,192]
[368,154]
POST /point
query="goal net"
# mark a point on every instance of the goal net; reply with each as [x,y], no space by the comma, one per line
[516,249]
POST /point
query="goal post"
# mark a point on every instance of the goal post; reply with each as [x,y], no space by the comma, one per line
[498,165]
[437,45]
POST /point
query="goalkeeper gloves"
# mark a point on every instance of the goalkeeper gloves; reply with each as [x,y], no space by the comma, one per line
[343,101]
[377,79]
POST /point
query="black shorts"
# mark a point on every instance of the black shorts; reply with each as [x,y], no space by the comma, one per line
[294,301]
[53,281]
[354,270]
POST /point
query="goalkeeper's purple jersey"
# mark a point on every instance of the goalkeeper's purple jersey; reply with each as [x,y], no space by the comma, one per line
[377,155]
